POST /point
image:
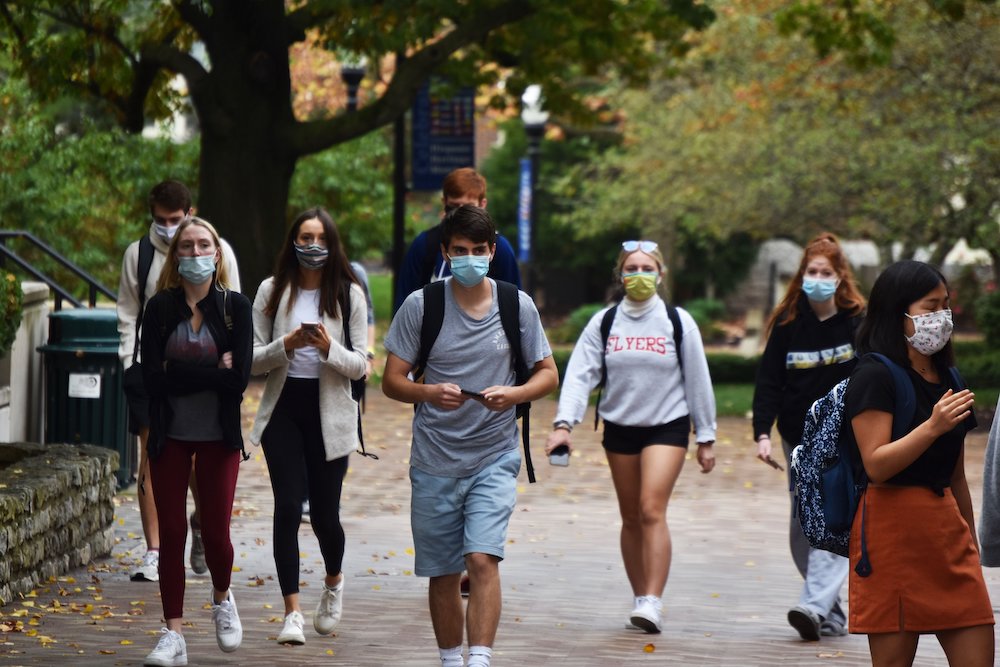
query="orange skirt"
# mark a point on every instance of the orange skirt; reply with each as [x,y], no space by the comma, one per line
[926,575]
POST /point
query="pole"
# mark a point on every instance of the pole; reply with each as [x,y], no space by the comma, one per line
[534,133]
[398,191]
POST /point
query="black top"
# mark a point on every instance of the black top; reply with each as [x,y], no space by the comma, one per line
[871,388]
[802,361]
[162,377]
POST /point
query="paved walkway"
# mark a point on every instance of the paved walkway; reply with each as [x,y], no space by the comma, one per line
[565,593]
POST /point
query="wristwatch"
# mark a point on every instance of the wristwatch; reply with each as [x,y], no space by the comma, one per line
[563,424]
[371,355]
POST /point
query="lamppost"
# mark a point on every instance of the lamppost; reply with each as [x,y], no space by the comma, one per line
[352,71]
[534,119]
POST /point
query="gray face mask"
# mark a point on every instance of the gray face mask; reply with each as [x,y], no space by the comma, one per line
[312,256]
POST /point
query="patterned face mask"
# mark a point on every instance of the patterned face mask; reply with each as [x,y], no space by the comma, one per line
[931,332]
[312,256]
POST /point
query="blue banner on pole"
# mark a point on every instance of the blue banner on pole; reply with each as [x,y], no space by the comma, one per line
[444,136]
[524,220]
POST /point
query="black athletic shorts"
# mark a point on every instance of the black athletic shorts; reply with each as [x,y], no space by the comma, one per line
[631,439]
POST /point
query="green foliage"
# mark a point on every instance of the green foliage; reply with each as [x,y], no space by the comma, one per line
[570,330]
[11,301]
[353,181]
[988,318]
[728,368]
[82,192]
[705,311]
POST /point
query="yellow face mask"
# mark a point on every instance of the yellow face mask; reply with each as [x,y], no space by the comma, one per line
[640,286]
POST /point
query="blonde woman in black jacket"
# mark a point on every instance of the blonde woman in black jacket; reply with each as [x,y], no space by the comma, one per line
[196,351]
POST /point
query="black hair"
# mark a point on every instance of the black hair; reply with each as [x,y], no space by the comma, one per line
[171,196]
[471,222]
[337,272]
[896,288]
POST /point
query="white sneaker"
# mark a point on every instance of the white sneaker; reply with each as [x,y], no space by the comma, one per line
[149,568]
[170,651]
[228,629]
[647,613]
[292,633]
[329,609]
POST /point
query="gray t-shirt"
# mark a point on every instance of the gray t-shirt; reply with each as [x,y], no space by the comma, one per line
[474,354]
[196,415]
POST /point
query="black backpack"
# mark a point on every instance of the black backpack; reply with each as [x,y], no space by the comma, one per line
[607,320]
[510,318]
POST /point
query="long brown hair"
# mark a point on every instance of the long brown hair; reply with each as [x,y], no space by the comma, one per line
[847,296]
[337,274]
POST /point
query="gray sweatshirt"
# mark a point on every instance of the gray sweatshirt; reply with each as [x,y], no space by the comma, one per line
[645,386]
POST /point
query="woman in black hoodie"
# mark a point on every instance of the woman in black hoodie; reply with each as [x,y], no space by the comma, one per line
[810,348]
[197,340]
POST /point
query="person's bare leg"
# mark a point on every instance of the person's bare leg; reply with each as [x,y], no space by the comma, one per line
[893,649]
[147,506]
[485,598]
[445,604]
[625,473]
[969,647]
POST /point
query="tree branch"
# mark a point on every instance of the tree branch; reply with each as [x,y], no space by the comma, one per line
[411,74]
[192,14]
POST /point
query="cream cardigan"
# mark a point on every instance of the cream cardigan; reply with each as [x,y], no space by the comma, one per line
[338,410]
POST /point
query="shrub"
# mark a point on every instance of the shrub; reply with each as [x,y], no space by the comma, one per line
[11,301]
[570,330]
[988,316]
[705,311]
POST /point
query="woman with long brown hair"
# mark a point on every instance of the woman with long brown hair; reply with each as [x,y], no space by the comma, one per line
[810,348]
[307,420]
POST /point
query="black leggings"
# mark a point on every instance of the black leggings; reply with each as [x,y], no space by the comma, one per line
[296,458]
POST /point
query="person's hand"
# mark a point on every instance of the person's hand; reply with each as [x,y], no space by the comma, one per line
[226,360]
[950,411]
[446,396]
[499,398]
[706,456]
[764,452]
[299,338]
[558,438]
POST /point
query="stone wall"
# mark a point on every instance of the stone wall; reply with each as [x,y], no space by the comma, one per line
[56,511]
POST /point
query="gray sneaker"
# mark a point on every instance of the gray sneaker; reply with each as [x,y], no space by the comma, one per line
[198,562]
[805,622]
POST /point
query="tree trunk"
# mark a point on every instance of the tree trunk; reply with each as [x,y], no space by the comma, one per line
[244,193]
[244,108]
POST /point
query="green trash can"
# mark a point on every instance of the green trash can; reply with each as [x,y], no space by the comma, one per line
[84,399]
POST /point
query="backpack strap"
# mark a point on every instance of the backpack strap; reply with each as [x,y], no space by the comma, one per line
[146,252]
[431,325]
[510,317]
[606,322]
[357,386]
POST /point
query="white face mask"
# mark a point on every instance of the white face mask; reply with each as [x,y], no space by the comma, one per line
[931,332]
[165,232]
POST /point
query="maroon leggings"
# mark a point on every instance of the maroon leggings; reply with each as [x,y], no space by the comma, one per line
[216,472]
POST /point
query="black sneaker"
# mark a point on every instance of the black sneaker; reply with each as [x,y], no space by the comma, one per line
[805,622]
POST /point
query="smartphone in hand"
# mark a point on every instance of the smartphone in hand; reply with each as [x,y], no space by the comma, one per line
[774,464]
[309,326]
[474,394]
[559,456]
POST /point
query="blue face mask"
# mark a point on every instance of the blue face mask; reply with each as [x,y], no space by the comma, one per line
[819,289]
[197,269]
[469,270]
[311,256]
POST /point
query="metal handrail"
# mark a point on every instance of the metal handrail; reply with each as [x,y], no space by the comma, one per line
[94,285]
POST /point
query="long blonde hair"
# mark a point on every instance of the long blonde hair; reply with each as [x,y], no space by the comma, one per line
[170,277]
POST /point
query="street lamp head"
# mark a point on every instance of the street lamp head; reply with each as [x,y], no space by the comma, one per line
[532,114]
[352,71]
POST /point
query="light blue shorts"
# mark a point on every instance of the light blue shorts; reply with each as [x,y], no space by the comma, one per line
[454,516]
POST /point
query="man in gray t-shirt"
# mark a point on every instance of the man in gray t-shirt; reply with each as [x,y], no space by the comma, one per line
[465,459]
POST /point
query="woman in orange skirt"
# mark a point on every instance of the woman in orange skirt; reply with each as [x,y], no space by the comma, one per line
[916,515]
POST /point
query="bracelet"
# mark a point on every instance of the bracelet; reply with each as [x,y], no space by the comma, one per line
[562,424]
[761,437]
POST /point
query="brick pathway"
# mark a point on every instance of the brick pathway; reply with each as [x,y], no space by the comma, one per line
[565,593]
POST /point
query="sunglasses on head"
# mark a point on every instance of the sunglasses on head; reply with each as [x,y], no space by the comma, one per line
[645,246]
